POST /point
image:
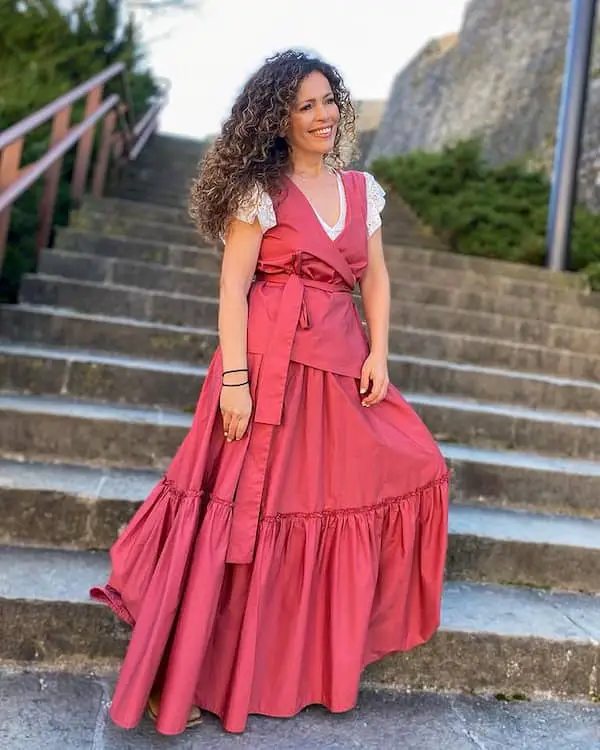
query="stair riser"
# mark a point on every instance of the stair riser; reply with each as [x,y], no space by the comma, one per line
[100,270]
[137,229]
[490,353]
[136,304]
[46,437]
[136,210]
[516,488]
[143,196]
[177,256]
[110,383]
[84,633]
[91,524]
[445,259]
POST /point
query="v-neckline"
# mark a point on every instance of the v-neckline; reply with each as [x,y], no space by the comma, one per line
[317,217]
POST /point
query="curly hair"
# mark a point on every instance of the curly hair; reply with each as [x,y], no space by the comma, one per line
[251,151]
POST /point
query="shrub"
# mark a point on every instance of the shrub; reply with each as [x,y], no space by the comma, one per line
[496,212]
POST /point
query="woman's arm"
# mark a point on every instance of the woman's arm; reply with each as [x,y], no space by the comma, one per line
[375,291]
[240,256]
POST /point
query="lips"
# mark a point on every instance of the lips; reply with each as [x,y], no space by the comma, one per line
[323,132]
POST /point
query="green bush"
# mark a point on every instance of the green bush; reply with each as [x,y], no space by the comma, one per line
[495,212]
[46,49]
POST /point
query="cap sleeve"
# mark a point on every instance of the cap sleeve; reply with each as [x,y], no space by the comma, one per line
[375,203]
[257,204]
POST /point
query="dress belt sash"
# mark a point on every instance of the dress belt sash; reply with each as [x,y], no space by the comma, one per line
[268,412]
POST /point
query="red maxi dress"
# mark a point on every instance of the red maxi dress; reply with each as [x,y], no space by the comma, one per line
[263,575]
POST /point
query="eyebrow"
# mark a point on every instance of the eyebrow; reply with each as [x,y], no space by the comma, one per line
[314,99]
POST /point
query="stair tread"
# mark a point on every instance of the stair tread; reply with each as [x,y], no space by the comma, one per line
[66,576]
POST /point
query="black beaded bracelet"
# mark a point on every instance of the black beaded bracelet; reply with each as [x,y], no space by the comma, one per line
[228,372]
[235,385]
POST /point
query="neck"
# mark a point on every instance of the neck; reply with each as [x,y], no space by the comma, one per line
[306,165]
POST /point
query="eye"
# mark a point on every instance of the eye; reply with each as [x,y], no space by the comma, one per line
[305,107]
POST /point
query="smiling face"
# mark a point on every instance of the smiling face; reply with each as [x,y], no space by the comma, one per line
[314,116]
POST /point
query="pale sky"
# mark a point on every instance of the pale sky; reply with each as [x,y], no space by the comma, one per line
[208,53]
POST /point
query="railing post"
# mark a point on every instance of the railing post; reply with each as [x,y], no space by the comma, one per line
[60,126]
[84,148]
[106,145]
[10,165]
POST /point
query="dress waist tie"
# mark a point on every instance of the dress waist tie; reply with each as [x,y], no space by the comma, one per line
[268,410]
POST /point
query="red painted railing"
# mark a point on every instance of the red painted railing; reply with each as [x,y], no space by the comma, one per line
[121,139]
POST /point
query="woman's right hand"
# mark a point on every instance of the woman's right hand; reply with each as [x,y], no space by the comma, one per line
[236,409]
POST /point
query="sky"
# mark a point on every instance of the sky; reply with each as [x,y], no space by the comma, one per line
[209,52]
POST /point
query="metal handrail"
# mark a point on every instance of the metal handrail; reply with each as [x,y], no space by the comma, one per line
[121,139]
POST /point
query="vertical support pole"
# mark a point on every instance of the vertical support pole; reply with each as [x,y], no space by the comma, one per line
[84,148]
[106,145]
[10,165]
[60,126]
[569,132]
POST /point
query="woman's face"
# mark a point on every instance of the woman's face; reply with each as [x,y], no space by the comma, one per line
[314,117]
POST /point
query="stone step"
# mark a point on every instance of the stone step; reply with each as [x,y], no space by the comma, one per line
[137,274]
[76,704]
[116,300]
[176,386]
[28,327]
[136,210]
[407,269]
[401,270]
[63,429]
[173,200]
[191,310]
[147,251]
[449,260]
[442,362]
[108,224]
[154,276]
[143,300]
[540,641]
[88,507]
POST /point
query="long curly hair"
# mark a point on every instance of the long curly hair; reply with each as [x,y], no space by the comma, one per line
[252,151]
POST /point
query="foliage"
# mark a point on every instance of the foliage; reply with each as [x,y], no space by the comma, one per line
[496,212]
[45,51]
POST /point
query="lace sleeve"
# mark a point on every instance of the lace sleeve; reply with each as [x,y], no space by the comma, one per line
[375,203]
[257,204]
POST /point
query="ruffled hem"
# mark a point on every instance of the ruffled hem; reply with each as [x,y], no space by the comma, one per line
[327,594]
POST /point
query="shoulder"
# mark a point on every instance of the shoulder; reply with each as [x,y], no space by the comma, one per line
[371,185]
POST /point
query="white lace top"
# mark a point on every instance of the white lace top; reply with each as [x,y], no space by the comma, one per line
[259,204]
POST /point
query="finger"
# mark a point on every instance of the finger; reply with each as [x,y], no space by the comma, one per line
[242,426]
[365,379]
[226,422]
[231,431]
[381,393]
[376,391]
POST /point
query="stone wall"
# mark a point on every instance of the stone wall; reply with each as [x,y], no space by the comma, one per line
[499,78]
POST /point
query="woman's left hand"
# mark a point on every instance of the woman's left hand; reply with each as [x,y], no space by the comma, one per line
[375,377]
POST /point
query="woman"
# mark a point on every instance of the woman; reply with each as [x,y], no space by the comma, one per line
[300,532]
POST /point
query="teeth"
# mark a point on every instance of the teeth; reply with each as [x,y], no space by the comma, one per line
[322,131]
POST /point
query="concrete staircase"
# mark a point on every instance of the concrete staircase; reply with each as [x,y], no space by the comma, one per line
[101,365]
